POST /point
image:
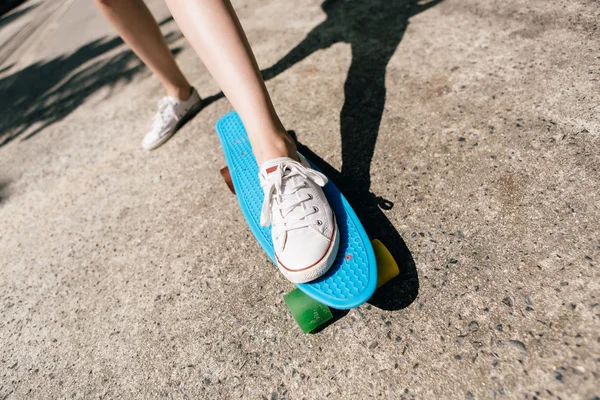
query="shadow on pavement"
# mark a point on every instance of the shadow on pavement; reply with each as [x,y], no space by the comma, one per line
[10,18]
[46,92]
[3,191]
[8,5]
[374,29]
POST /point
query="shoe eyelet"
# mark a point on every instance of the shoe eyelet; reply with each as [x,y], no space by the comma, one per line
[316,209]
[319,222]
[310,196]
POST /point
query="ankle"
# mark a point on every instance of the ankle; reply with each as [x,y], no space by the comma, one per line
[182,92]
[276,145]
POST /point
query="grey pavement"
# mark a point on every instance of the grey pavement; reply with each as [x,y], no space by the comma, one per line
[466,134]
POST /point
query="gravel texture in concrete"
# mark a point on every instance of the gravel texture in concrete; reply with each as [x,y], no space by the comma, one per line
[464,132]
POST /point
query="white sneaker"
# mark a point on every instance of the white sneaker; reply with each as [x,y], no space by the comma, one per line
[172,114]
[305,234]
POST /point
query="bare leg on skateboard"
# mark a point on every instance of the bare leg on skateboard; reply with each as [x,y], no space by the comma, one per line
[305,234]
[213,29]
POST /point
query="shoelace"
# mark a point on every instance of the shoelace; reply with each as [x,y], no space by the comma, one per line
[165,111]
[276,200]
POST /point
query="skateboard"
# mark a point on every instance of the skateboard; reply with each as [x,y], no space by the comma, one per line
[360,266]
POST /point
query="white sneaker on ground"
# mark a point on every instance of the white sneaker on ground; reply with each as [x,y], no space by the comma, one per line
[172,114]
[305,235]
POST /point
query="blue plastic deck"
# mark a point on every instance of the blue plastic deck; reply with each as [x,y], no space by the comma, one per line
[352,279]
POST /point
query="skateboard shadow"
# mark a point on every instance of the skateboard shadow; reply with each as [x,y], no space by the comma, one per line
[401,291]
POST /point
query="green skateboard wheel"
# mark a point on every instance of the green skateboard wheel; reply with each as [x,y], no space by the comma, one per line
[308,313]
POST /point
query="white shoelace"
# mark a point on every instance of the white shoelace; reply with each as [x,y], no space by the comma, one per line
[277,200]
[165,112]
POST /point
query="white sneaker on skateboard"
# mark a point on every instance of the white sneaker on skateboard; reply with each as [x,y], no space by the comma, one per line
[304,231]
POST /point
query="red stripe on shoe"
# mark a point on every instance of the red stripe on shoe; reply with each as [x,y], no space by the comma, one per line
[320,259]
[271,169]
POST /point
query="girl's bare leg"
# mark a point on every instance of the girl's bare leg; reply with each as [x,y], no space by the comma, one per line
[214,31]
[138,28]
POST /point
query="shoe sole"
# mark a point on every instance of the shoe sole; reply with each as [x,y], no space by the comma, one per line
[189,115]
[319,269]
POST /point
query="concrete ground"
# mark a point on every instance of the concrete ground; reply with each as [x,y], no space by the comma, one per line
[468,132]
